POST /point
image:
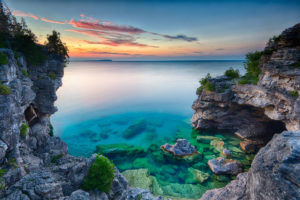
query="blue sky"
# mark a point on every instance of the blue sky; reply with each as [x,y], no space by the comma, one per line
[169,29]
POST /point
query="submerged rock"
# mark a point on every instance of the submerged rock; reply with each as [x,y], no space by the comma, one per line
[225,166]
[226,153]
[120,151]
[182,148]
[138,178]
[196,176]
[135,129]
[250,146]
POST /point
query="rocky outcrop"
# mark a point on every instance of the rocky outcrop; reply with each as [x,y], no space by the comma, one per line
[274,173]
[34,164]
[258,113]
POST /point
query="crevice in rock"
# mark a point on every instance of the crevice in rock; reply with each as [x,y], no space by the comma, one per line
[31,115]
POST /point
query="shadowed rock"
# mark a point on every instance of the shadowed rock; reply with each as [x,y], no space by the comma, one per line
[182,148]
[225,166]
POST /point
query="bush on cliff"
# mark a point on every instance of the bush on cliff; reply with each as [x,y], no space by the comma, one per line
[4,90]
[24,130]
[294,93]
[100,175]
[231,73]
[206,84]
[252,69]
[3,59]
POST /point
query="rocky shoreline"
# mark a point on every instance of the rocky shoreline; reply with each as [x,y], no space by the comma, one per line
[36,165]
[257,113]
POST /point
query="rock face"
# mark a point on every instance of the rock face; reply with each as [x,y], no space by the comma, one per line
[182,148]
[37,165]
[274,173]
[257,111]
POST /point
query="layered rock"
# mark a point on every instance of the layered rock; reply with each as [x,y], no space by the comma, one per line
[181,149]
[256,113]
[37,165]
[225,166]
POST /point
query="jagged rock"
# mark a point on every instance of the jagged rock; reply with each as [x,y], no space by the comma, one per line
[234,190]
[3,148]
[182,149]
[225,166]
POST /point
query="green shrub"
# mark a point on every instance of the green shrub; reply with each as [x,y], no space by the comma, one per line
[274,40]
[100,175]
[12,162]
[3,59]
[294,93]
[205,84]
[56,157]
[2,172]
[244,81]
[231,73]
[225,87]
[51,130]
[24,129]
[52,75]
[4,90]
[25,73]
[252,69]
[2,184]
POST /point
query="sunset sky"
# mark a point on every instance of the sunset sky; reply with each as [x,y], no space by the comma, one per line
[158,30]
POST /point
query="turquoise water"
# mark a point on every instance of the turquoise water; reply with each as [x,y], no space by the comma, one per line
[99,101]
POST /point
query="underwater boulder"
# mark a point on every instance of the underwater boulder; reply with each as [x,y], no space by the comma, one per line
[207,139]
[135,129]
[138,178]
[225,166]
[114,151]
[196,176]
[217,145]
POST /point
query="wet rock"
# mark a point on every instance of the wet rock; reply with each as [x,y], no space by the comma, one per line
[226,153]
[207,139]
[135,129]
[196,176]
[217,145]
[182,148]
[250,146]
[225,166]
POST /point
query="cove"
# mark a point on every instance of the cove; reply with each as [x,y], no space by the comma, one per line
[127,110]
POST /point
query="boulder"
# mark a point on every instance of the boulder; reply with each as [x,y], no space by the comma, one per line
[182,148]
[225,166]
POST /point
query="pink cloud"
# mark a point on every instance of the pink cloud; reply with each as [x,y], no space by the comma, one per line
[105,27]
[52,21]
[23,14]
[82,15]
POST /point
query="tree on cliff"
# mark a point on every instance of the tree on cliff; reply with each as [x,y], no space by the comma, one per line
[56,47]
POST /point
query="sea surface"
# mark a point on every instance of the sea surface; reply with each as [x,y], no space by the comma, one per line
[100,102]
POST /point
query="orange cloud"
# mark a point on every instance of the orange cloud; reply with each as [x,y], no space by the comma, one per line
[52,21]
[23,14]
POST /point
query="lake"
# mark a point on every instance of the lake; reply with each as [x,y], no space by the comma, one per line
[100,101]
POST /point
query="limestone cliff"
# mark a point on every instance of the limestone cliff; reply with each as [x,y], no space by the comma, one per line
[35,164]
[255,113]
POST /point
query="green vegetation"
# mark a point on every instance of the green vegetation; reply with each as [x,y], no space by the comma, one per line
[225,87]
[206,84]
[3,59]
[51,130]
[2,172]
[231,73]
[17,36]
[56,157]
[297,64]
[52,75]
[4,90]
[294,93]
[274,40]
[252,69]
[12,162]
[25,73]
[24,130]
[100,175]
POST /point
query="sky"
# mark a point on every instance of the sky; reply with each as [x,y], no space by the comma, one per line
[159,29]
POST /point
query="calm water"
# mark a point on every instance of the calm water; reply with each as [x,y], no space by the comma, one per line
[100,101]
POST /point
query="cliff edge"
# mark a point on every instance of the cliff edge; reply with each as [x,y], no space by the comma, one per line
[257,113]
